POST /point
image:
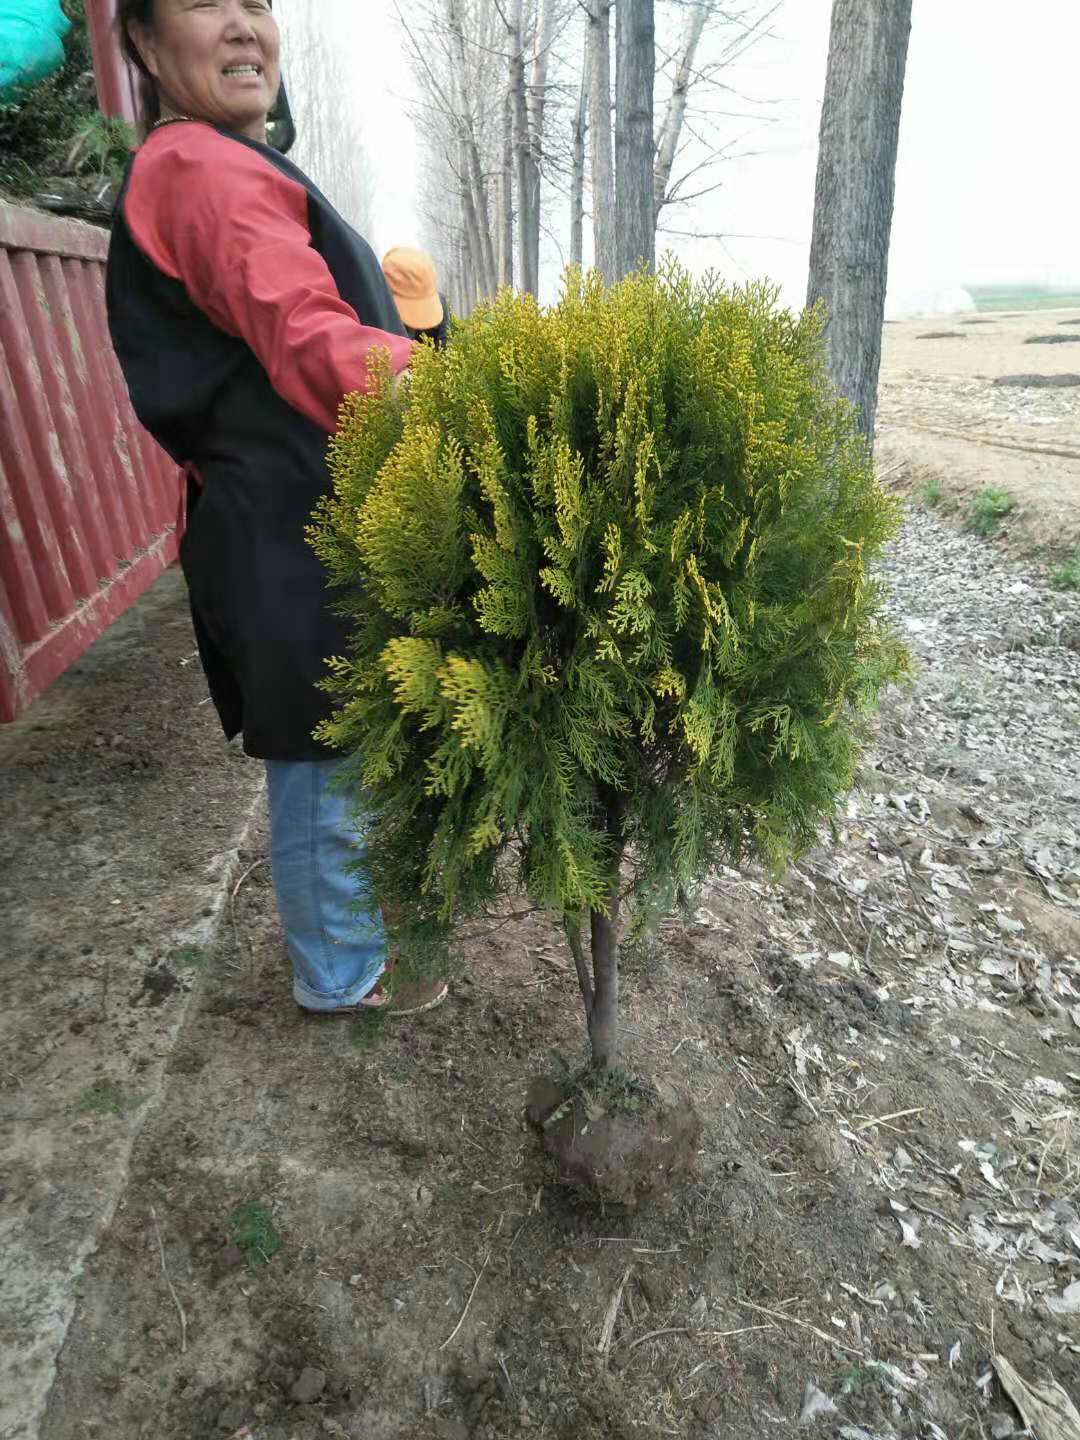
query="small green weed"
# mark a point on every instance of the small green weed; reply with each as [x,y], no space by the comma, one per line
[104,1097]
[367,1031]
[103,144]
[252,1229]
[988,509]
[615,1089]
[190,957]
[855,1378]
[931,493]
[639,955]
[1068,577]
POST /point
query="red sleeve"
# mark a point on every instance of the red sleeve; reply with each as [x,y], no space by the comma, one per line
[233,230]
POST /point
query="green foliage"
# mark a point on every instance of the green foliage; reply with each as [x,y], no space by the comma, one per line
[609,568]
[603,1093]
[252,1230]
[102,146]
[103,1097]
[191,957]
[367,1032]
[988,509]
[1067,577]
[856,1378]
[38,130]
[931,493]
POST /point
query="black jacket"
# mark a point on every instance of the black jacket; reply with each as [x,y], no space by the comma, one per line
[225,343]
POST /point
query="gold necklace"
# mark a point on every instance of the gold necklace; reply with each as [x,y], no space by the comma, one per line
[170,120]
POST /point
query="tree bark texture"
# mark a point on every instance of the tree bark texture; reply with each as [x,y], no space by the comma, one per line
[600,147]
[536,106]
[577,174]
[473,179]
[671,132]
[483,220]
[603,1014]
[635,151]
[604,1019]
[519,100]
[473,239]
[853,203]
[506,195]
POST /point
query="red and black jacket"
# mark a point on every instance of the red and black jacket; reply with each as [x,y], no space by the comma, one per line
[243,309]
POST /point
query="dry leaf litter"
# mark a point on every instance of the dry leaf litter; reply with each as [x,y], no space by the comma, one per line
[954,886]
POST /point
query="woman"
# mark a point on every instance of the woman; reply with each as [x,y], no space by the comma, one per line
[415,287]
[243,309]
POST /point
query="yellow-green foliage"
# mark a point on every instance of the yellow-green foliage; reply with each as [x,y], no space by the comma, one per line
[618,549]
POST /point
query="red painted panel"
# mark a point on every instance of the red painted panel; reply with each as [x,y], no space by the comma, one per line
[28,538]
[116,85]
[46,318]
[29,618]
[22,229]
[102,405]
[20,293]
[128,435]
[89,504]
[45,662]
[97,495]
[11,649]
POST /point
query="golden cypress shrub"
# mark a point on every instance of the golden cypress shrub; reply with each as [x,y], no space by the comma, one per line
[611,572]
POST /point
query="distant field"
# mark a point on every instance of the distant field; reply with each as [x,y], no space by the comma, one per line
[1001,297]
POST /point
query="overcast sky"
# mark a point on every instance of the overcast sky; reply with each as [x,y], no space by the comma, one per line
[986,181]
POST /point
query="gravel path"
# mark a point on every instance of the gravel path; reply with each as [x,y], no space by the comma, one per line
[994,712]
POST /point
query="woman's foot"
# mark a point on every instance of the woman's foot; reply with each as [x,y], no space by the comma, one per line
[397,998]
[394,998]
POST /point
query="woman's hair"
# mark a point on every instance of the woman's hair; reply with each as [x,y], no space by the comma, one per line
[139,12]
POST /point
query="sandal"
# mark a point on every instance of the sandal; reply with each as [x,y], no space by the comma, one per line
[397,1000]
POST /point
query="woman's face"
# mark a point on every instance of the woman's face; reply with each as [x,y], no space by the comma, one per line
[216,60]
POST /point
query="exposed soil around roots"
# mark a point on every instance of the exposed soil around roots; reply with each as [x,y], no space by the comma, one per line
[1038,382]
[366,1240]
[992,414]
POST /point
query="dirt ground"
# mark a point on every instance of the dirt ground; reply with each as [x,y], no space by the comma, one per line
[121,811]
[944,419]
[274,1228]
[346,1229]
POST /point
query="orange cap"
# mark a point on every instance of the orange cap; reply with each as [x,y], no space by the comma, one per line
[415,286]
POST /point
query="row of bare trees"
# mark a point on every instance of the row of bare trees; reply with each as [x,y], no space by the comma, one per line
[317,40]
[538,122]
[534,124]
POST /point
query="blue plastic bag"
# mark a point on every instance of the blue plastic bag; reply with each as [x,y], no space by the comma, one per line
[31,43]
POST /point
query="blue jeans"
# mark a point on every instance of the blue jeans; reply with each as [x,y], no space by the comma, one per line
[336,941]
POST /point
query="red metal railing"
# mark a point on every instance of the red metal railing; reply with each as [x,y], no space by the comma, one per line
[89,505]
[116,83]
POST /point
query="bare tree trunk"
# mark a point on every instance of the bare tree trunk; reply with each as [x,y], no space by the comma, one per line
[473,241]
[668,144]
[537,100]
[604,1020]
[603,165]
[600,989]
[853,203]
[506,195]
[472,169]
[603,1012]
[472,283]
[577,174]
[330,142]
[521,143]
[455,287]
[635,154]
[483,219]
